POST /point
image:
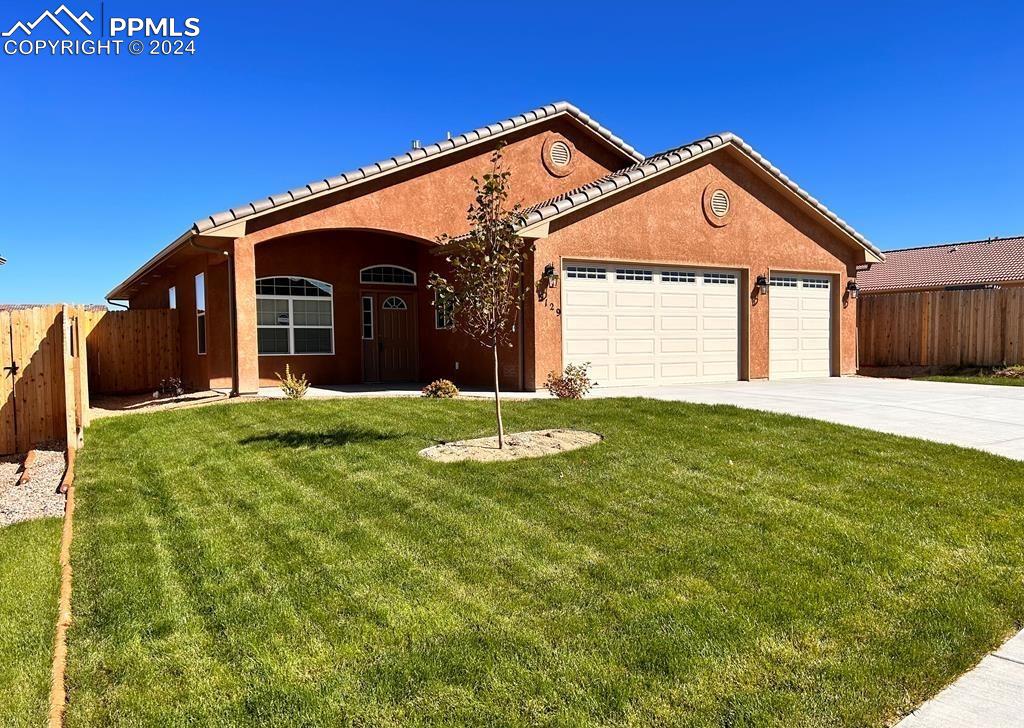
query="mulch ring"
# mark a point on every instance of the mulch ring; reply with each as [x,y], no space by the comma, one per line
[533,444]
[39,497]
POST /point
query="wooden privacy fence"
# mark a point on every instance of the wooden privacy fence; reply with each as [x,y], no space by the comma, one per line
[51,357]
[131,351]
[43,383]
[981,327]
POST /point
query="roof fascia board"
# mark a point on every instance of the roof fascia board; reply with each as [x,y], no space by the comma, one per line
[149,265]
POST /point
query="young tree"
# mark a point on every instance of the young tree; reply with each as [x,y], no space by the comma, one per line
[485,286]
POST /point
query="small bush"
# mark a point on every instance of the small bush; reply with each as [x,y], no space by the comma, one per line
[441,389]
[170,387]
[293,387]
[573,383]
[1014,372]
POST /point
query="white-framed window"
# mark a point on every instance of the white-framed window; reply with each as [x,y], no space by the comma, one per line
[815,282]
[784,281]
[582,271]
[367,304]
[678,276]
[393,303]
[720,278]
[201,313]
[443,312]
[394,275]
[633,274]
[172,297]
[294,315]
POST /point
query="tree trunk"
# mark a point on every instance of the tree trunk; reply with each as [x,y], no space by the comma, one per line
[497,400]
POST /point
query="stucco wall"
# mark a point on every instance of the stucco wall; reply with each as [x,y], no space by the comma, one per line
[667,224]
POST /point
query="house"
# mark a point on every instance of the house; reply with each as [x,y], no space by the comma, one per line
[948,266]
[701,263]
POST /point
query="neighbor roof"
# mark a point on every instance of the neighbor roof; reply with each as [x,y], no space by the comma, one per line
[672,158]
[974,262]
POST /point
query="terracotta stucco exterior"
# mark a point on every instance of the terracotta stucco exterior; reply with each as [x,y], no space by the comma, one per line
[395,220]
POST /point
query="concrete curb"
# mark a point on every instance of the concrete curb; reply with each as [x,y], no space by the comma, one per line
[58,694]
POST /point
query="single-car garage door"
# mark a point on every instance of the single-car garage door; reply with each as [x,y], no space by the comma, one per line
[799,326]
[638,324]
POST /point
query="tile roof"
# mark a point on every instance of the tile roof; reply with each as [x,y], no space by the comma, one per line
[671,158]
[973,262]
[413,155]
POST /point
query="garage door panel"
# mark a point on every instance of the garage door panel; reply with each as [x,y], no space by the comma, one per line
[659,325]
[634,346]
[578,299]
[588,323]
[631,299]
[678,300]
[634,323]
[800,326]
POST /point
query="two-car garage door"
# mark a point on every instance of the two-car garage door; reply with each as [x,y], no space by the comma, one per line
[639,324]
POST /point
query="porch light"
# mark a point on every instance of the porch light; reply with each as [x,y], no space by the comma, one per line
[762,285]
[852,288]
[549,276]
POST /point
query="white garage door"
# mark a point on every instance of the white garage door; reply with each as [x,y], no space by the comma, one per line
[639,324]
[800,326]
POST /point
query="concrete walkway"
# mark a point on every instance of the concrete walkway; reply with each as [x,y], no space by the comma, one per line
[989,696]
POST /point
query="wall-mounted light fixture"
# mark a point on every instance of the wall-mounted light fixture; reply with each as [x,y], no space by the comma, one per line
[549,276]
[852,288]
[762,285]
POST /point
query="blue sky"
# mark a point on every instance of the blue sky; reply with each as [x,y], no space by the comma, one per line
[905,119]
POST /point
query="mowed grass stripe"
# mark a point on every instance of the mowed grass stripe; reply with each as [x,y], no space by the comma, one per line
[703,565]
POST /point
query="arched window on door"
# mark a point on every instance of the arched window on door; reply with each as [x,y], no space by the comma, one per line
[394,303]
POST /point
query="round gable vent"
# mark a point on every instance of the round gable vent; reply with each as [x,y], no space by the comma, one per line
[720,203]
[560,154]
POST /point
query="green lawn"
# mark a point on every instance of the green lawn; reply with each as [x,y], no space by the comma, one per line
[974,379]
[298,563]
[29,583]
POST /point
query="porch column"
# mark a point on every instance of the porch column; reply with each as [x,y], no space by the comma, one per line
[244,305]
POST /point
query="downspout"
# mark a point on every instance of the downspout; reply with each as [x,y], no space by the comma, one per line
[231,310]
[115,303]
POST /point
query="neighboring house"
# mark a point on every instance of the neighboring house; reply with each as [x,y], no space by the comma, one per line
[654,268]
[948,266]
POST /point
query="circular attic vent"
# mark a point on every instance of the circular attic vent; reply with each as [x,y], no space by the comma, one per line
[720,203]
[560,154]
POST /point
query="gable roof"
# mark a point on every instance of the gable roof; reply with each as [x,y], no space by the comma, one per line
[208,224]
[415,155]
[676,157]
[974,262]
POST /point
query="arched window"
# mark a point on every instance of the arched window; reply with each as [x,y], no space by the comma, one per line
[393,303]
[294,316]
[388,274]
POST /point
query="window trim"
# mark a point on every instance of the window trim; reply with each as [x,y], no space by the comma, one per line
[410,271]
[290,328]
[203,341]
[172,297]
[443,312]
[363,310]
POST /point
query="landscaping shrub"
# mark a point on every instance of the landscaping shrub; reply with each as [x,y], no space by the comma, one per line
[441,389]
[292,386]
[170,387]
[573,383]
[1014,372]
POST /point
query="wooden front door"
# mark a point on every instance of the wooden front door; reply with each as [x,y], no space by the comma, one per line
[389,337]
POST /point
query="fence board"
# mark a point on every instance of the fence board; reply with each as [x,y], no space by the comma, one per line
[130,351]
[7,439]
[982,327]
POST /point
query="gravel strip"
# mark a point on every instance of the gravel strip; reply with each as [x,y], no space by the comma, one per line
[38,498]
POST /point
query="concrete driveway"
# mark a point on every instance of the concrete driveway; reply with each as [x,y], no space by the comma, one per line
[981,416]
